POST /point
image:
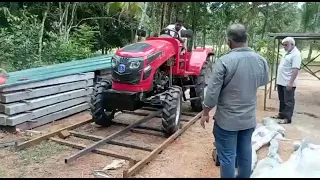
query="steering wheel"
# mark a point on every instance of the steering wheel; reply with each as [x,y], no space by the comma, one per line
[166,29]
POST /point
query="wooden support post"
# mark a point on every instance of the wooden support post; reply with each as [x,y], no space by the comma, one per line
[277,63]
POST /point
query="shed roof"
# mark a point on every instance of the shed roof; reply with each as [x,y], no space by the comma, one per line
[306,36]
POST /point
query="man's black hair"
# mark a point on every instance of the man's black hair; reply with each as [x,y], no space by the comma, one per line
[237,33]
[179,20]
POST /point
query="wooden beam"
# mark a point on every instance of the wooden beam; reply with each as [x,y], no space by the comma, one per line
[113,142]
[159,116]
[97,151]
[111,137]
[51,134]
[140,127]
[152,155]
[144,131]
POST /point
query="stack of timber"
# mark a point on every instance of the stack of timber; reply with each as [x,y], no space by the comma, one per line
[38,96]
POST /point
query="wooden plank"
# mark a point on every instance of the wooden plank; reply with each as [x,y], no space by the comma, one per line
[97,151]
[44,91]
[152,155]
[183,113]
[34,114]
[15,108]
[110,137]
[146,114]
[141,126]
[113,142]
[51,134]
[144,131]
[53,117]
[60,80]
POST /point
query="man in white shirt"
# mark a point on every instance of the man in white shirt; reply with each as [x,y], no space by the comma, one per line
[288,70]
[178,26]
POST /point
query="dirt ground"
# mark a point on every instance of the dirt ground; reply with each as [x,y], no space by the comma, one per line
[188,156]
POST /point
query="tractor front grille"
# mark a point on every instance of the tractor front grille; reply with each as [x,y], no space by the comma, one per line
[126,77]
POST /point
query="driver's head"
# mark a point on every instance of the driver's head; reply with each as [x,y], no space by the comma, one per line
[178,24]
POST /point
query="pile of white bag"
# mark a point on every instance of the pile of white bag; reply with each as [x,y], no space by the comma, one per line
[303,163]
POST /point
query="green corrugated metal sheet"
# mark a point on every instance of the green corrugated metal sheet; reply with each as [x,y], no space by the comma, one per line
[58,70]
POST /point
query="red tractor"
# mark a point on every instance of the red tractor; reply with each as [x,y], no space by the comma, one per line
[155,72]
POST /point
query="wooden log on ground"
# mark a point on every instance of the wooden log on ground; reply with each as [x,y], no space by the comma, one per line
[15,108]
[53,117]
[10,97]
[34,114]
[60,80]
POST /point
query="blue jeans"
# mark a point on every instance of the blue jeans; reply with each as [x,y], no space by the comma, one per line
[232,146]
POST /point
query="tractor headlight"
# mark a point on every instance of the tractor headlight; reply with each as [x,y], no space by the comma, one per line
[114,61]
[135,63]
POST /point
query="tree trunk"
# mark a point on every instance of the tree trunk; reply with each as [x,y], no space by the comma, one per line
[204,38]
[41,31]
[101,26]
[265,21]
[169,12]
[162,16]
[143,15]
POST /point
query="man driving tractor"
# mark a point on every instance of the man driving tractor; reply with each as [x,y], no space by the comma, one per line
[178,26]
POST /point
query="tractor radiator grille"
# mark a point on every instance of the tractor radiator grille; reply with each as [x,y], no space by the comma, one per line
[126,77]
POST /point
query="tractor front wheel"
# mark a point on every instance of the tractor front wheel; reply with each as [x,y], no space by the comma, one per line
[172,110]
[100,115]
[200,84]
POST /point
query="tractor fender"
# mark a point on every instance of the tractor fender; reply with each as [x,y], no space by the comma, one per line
[197,58]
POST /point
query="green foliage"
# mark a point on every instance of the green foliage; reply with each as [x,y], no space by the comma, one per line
[78,47]
[42,33]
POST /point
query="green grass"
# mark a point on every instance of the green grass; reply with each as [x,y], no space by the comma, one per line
[2,175]
[41,152]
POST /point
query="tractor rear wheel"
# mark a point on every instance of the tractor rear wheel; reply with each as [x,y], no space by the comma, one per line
[171,112]
[100,115]
[201,82]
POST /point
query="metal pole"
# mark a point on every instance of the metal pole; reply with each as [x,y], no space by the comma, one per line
[112,136]
[277,63]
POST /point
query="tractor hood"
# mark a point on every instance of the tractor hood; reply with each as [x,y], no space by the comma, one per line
[143,49]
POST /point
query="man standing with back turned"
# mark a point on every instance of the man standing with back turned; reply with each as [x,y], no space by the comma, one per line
[233,88]
[286,80]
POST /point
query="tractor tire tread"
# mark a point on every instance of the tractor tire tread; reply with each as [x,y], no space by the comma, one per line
[169,114]
[96,104]
[196,105]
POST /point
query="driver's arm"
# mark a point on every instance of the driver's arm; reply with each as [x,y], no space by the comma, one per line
[180,38]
